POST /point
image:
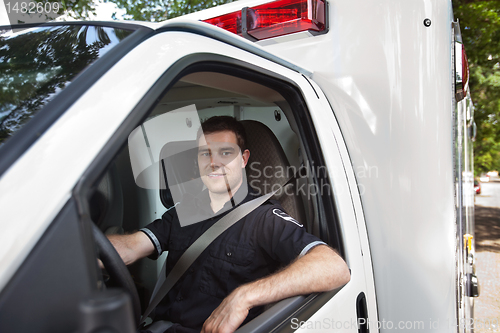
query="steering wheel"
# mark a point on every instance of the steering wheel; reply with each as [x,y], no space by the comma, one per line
[116,269]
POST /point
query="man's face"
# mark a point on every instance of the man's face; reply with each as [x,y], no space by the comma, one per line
[221,162]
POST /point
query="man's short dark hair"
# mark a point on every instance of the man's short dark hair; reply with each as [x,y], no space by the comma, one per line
[225,123]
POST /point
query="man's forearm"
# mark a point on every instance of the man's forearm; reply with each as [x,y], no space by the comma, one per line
[132,247]
[321,269]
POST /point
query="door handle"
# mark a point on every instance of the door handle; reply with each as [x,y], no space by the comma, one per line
[362,313]
[472,285]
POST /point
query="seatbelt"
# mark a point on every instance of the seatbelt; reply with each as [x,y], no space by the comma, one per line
[193,252]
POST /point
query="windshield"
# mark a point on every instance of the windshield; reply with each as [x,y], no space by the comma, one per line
[38,63]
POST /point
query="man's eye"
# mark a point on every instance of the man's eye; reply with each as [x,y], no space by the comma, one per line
[204,154]
[227,153]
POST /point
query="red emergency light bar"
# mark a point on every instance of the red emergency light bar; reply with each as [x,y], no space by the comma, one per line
[274,19]
[465,72]
[230,22]
[461,72]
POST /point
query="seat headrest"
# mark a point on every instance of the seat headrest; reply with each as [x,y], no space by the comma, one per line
[268,164]
[179,173]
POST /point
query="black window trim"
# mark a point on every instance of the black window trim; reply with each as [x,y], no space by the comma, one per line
[226,65]
[29,134]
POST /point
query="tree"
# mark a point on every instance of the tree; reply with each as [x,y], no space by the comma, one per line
[79,9]
[480,26]
[160,10]
[142,10]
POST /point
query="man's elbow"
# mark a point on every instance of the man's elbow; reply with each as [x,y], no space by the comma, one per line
[344,275]
[340,274]
[335,272]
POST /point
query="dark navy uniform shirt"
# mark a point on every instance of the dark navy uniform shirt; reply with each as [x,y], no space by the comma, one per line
[256,246]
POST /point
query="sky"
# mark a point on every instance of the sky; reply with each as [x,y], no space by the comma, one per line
[103,10]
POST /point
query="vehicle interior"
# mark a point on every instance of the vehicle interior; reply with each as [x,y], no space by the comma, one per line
[282,146]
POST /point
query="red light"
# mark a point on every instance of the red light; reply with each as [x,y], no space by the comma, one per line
[230,22]
[276,18]
[285,17]
[465,72]
[461,72]
[263,18]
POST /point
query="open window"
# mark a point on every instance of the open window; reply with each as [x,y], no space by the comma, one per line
[149,173]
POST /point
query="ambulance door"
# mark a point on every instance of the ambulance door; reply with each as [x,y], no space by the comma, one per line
[182,57]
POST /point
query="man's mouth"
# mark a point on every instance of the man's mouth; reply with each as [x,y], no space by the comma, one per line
[216,175]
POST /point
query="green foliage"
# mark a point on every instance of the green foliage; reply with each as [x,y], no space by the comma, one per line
[78,9]
[480,26]
[142,10]
[160,10]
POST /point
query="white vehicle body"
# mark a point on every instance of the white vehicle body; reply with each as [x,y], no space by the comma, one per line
[380,90]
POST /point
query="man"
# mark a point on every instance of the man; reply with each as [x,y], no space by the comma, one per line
[265,257]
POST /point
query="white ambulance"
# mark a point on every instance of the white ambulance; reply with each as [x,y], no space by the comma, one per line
[365,101]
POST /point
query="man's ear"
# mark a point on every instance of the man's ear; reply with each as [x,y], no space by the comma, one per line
[245,155]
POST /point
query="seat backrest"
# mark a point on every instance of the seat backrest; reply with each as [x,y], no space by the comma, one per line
[268,166]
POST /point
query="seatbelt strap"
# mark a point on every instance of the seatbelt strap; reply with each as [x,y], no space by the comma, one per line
[193,252]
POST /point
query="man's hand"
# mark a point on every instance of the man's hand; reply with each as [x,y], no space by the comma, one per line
[229,314]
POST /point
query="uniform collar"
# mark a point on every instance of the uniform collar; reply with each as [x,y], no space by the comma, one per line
[202,200]
[194,209]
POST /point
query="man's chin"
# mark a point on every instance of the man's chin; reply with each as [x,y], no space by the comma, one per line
[218,188]
[218,185]
[215,185]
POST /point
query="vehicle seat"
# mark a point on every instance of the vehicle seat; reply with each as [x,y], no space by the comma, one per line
[265,150]
[179,173]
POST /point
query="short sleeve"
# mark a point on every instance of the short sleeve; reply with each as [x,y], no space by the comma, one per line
[284,238]
[158,232]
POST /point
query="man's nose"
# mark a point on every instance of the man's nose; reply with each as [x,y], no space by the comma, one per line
[215,160]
